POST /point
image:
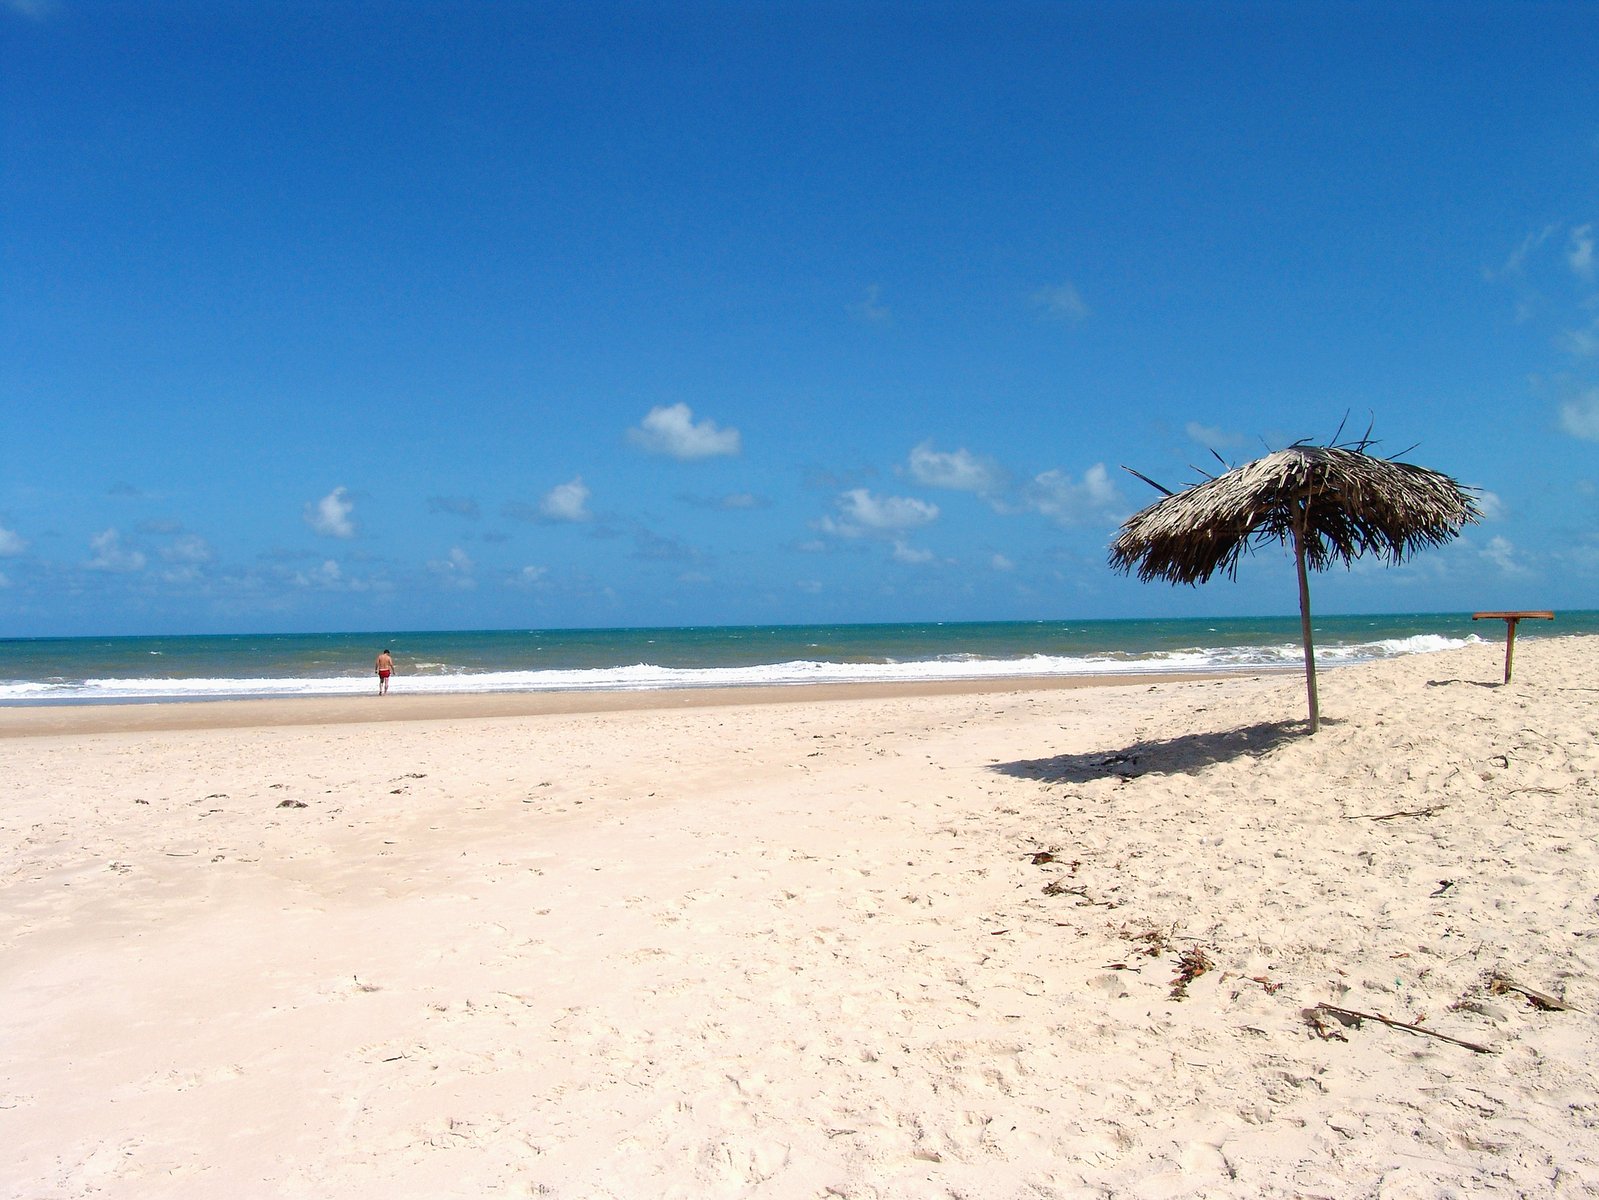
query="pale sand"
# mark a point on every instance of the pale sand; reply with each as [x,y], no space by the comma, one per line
[801,948]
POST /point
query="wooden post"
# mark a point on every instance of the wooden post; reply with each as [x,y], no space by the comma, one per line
[1304,617]
[1511,619]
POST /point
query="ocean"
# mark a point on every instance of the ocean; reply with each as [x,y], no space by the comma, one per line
[233,666]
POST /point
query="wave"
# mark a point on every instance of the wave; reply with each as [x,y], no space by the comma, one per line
[440,679]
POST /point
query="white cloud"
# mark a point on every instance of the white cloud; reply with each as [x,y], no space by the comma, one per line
[1579,251]
[1000,563]
[330,516]
[863,513]
[1062,303]
[455,570]
[1581,343]
[1579,416]
[1211,437]
[1517,261]
[111,555]
[904,552]
[1502,553]
[958,470]
[34,10]
[1058,497]
[672,431]
[1584,553]
[650,545]
[189,548]
[529,576]
[11,543]
[871,310]
[733,502]
[458,506]
[331,577]
[566,502]
[328,575]
[1493,508]
[186,555]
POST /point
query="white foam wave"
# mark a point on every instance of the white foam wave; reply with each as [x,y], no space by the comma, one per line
[440,679]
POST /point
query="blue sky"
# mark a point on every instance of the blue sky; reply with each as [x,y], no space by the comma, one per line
[441,315]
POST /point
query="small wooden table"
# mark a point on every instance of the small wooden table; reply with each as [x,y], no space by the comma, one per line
[1510,619]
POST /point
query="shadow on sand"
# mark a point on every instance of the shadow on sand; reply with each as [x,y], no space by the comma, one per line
[1166,756]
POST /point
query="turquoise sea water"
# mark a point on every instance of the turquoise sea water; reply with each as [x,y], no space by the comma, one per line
[85,670]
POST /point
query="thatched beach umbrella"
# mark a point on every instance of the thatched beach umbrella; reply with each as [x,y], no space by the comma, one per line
[1331,502]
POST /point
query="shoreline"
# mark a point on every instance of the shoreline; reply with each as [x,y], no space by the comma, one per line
[44,720]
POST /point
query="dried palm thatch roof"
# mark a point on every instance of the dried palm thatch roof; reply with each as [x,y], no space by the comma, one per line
[1346,502]
[1329,502]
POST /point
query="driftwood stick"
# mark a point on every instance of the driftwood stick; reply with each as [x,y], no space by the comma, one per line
[1503,983]
[1418,812]
[1357,1017]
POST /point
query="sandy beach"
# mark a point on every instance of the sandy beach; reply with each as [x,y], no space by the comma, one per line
[1019,941]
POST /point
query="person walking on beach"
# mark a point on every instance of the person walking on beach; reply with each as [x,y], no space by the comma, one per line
[385,668]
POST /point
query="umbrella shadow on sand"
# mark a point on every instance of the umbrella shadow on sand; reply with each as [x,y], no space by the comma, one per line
[1159,756]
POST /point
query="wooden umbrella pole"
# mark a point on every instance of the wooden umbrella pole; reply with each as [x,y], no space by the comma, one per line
[1304,615]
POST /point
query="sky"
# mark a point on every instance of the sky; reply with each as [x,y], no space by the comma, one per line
[385,316]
